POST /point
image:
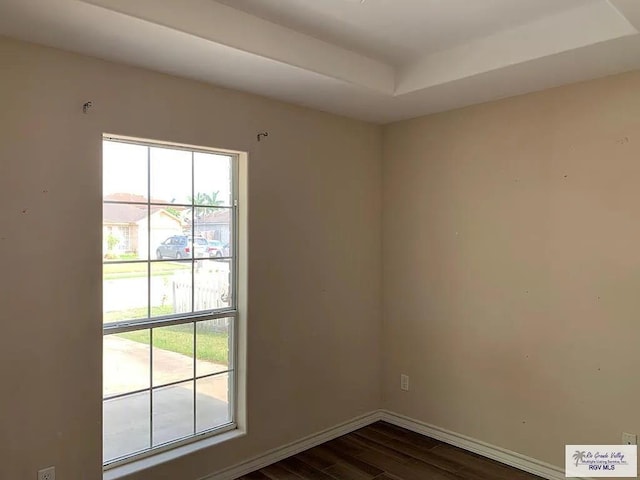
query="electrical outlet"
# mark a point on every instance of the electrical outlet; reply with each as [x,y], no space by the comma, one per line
[404,382]
[629,438]
[47,473]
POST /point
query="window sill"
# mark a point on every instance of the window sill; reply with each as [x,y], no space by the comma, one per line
[136,466]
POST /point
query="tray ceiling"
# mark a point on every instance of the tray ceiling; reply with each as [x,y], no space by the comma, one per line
[377,60]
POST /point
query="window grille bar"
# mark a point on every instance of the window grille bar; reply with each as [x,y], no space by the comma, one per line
[193,234]
[165,385]
[116,462]
[121,327]
[171,146]
[164,204]
[119,262]
[149,295]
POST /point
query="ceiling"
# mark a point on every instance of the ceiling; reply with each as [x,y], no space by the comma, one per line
[401,31]
[377,60]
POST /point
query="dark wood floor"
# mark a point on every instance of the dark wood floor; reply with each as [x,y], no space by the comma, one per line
[385,452]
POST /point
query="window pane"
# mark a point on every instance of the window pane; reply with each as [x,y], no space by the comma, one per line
[172,413]
[126,425]
[168,227]
[212,289]
[171,287]
[125,175]
[215,225]
[212,179]
[172,354]
[170,176]
[124,231]
[212,402]
[200,246]
[126,362]
[125,291]
[212,346]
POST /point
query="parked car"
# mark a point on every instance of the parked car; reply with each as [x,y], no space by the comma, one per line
[216,248]
[182,246]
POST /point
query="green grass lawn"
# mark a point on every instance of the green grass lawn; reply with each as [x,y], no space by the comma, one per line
[114,271]
[211,346]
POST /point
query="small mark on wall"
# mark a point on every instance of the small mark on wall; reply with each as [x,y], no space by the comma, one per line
[45,191]
[566,176]
[25,211]
[622,141]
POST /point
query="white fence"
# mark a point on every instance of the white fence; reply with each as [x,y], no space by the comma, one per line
[210,291]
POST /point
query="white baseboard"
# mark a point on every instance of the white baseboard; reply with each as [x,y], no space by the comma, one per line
[293,448]
[513,459]
[502,455]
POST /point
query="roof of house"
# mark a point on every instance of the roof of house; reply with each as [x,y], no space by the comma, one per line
[134,212]
[123,213]
[129,213]
[220,215]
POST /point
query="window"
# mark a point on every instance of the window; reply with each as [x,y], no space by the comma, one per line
[170,302]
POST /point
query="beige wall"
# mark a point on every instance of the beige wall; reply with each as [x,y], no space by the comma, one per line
[509,237]
[511,273]
[314,268]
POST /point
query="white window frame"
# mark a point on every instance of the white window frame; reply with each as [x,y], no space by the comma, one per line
[236,311]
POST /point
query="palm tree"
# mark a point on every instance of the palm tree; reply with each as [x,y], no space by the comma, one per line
[200,199]
[578,456]
[208,202]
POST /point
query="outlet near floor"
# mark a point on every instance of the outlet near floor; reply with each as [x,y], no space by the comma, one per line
[47,473]
[629,438]
[404,382]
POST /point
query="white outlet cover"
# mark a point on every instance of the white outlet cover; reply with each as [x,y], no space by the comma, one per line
[48,473]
